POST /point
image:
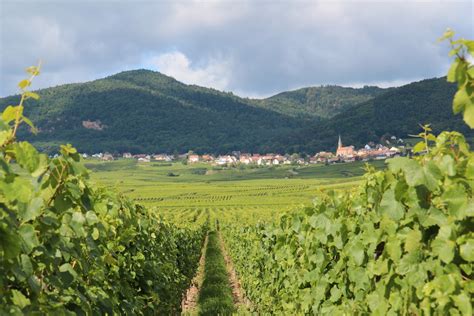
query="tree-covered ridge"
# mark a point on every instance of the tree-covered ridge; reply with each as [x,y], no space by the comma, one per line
[145,111]
[324,101]
[397,112]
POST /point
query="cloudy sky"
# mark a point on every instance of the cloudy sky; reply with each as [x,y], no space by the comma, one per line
[253,48]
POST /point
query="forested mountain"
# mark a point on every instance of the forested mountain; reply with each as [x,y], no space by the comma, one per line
[398,112]
[145,111]
[324,101]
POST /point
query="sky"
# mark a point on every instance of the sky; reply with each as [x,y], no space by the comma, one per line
[252,48]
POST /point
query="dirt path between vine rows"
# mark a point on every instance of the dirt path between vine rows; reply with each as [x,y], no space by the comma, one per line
[189,303]
[237,292]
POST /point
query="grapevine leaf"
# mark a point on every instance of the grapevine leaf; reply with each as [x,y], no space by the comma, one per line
[34,130]
[66,267]
[419,147]
[24,83]
[91,218]
[412,240]
[467,250]
[33,70]
[33,209]
[447,165]
[19,299]
[464,303]
[456,200]
[444,249]
[26,264]
[95,233]
[452,71]
[461,99]
[390,206]
[357,253]
[32,95]
[10,113]
[29,158]
[469,115]
[28,235]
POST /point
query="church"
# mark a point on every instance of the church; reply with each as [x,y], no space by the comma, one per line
[344,152]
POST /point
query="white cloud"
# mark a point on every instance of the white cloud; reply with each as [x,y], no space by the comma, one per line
[253,48]
[214,73]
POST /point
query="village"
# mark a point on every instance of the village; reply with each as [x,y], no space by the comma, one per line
[343,154]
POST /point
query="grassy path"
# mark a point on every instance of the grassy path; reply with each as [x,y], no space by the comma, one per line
[215,296]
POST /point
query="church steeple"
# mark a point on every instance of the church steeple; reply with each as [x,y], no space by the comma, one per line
[339,144]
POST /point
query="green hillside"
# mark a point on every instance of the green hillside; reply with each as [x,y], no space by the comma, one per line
[398,112]
[324,101]
[145,111]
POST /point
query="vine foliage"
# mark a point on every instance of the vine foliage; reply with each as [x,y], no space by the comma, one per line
[401,244]
[68,247]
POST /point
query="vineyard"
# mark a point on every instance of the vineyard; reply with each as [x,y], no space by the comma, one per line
[394,238]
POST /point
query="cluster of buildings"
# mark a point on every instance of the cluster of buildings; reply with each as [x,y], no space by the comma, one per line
[349,153]
[343,154]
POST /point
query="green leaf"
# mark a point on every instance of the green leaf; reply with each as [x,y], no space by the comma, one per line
[19,299]
[452,71]
[456,200]
[34,130]
[446,35]
[10,113]
[10,243]
[412,170]
[412,240]
[28,234]
[4,136]
[95,233]
[296,223]
[78,217]
[91,218]
[447,165]
[77,222]
[34,283]
[390,206]
[335,294]
[32,95]
[29,158]
[26,264]
[24,83]
[466,250]
[469,115]
[33,70]
[419,147]
[461,99]
[394,249]
[433,217]
[33,209]
[68,268]
[444,249]
[357,253]
[463,302]
[432,175]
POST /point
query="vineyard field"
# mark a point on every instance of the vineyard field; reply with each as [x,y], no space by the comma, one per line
[198,191]
[122,237]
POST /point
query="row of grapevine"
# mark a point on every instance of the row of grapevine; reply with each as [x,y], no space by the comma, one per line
[402,244]
[67,247]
